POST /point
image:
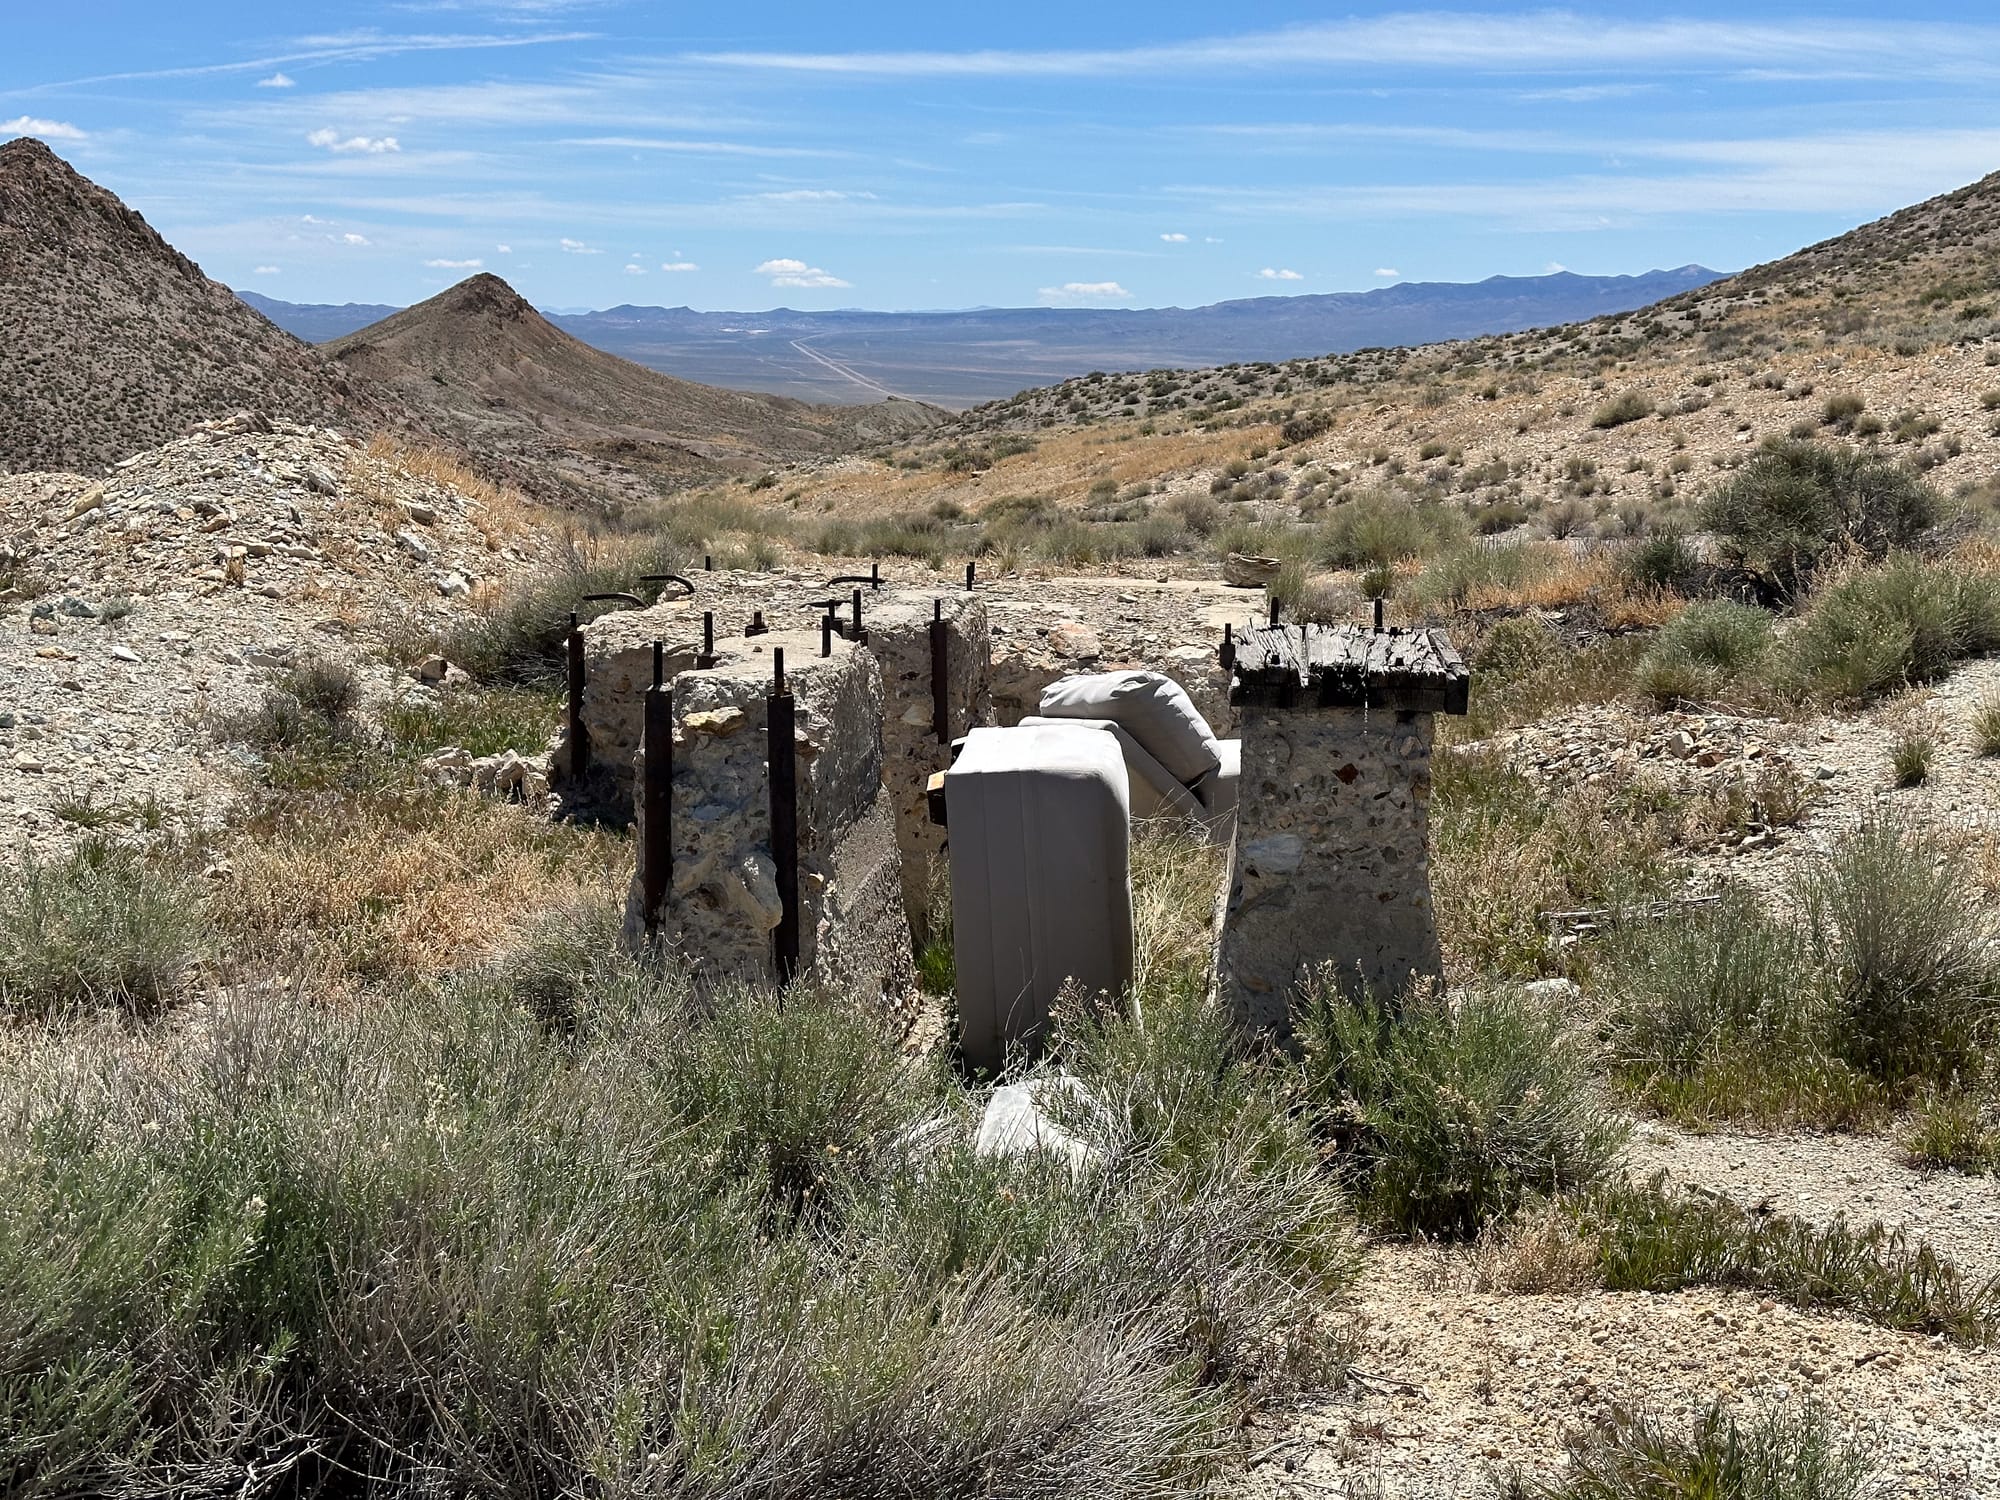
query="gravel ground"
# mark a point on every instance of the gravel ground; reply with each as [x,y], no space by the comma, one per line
[1824,1177]
[1459,1386]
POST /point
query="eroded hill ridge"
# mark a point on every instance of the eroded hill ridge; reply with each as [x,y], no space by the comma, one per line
[116,342]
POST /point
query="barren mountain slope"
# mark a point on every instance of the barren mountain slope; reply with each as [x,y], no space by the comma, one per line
[565,419]
[111,341]
[1886,337]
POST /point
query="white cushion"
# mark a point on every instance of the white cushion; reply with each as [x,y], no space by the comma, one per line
[1154,793]
[1154,709]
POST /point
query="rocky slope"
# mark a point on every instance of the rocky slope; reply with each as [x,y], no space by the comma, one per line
[111,341]
[136,608]
[564,420]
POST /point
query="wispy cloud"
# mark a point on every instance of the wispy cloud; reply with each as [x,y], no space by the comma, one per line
[351,238]
[1538,41]
[456,265]
[1846,172]
[333,140]
[679,265]
[1273,273]
[796,273]
[1388,273]
[267,271]
[278,81]
[633,268]
[49,130]
[578,247]
[353,46]
[811,195]
[1085,291]
[503,249]
[1175,239]
[699,148]
[1588,93]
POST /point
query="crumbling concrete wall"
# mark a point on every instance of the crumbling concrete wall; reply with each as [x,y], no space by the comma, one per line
[723,906]
[618,669]
[1332,861]
[899,635]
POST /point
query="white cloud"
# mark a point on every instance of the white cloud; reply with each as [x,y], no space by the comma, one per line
[314,219]
[632,268]
[810,195]
[266,271]
[787,272]
[578,247]
[364,145]
[276,81]
[1388,273]
[1554,268]
[1175,239]
[53,130]
[354,239]
[699,148]
[1210,240]
[1272,273]
[679,265]
[503,249]
[456,265]
[1086,291]
[1528,41]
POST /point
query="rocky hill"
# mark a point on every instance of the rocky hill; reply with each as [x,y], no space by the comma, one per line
[111,341]
[564,420]
[1922,279]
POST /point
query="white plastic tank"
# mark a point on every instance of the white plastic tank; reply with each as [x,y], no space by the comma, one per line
[1038,818]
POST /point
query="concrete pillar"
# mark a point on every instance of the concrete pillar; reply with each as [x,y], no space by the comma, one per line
[1332,856]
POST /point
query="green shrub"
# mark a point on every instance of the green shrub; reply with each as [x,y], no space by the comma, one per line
[1516,645]
[1840,410]
[484,721]
[1951,1130]
[1796,504]
[1880,629]
[1663,560]
[1986,725]
[1782,1453]
[1626,406]
[1455,1114]
[1379,528]
[1718,633]
[1712,981]
[1719,1013]
[1910,759]
[1899,928]
[1703,651]
[98,926]
[438,1243]
[1651,1239]
[1451,580]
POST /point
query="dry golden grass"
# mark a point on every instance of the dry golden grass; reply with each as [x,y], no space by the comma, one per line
[410,885]
[500,514]
[1177,881]
[1063,465]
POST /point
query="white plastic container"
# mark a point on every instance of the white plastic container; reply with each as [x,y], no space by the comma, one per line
[1038,818]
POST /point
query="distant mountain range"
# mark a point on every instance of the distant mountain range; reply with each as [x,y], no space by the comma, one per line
[960,359]
[112,341]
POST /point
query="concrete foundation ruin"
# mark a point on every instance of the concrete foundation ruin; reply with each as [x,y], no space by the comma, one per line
[1332,857]
[724,899]
[816,856]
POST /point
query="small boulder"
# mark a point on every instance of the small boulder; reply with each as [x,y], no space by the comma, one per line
[1020,1121]
[1075,640]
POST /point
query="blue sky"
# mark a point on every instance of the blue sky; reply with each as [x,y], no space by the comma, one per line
[947,155]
